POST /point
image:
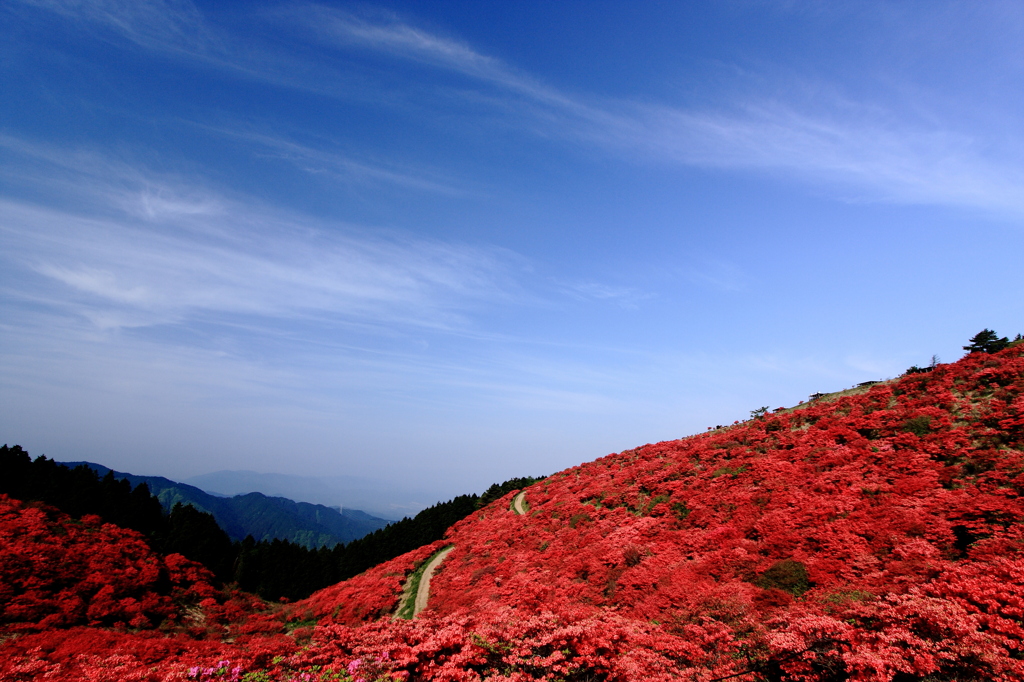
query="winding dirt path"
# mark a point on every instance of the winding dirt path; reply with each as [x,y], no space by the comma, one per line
[423,592]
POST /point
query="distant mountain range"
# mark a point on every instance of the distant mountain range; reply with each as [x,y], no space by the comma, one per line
[262,516]
[375,496]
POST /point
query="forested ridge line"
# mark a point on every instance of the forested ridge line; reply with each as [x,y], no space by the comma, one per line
[273,569]
[265,517]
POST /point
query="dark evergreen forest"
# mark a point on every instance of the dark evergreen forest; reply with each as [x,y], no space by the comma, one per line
[272,569]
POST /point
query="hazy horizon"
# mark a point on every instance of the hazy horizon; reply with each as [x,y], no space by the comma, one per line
[374,496]
[443,245]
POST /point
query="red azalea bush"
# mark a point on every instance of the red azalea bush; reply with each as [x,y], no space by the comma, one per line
[83,653]
[370,595]
[874,536]
[59,572]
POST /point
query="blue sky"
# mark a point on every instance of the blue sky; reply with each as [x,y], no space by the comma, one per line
[449,243]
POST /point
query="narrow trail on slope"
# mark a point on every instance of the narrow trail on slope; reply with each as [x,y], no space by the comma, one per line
[423,589]
[423,592]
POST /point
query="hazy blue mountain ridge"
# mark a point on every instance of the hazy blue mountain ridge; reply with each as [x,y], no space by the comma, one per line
[380,497]
[259,515]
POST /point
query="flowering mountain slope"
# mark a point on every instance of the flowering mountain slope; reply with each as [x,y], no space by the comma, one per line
[60,572]
[876,536]
[873,536]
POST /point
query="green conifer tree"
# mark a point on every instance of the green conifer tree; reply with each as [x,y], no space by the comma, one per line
[987,341]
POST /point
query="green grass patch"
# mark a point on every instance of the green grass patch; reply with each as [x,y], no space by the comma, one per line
[579,518]
[296,624]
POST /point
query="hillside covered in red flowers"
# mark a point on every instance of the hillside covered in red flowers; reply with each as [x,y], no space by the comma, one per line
[871,536]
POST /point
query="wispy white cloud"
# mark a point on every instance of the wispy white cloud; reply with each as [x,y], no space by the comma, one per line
[862,151]
[131,247]
[869,151]
[101,183]
[403,40]
[166,25]
[716,274]
[626,297]
[119,183]
[177,29]
[143,266]
[345,167]
[249,263]
[102,283]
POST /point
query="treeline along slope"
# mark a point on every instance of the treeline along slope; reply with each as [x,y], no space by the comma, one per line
[270,568]
[261,516]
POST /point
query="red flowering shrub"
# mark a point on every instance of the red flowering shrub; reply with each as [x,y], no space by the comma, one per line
[875,536]
[58,572]
[83,653]
[370,595]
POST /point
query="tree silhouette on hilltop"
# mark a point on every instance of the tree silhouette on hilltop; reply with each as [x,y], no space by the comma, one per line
[987,341]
